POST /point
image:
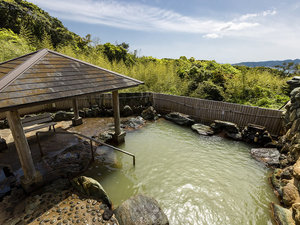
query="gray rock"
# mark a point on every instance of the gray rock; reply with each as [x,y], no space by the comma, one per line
[140,210]
[180,119]
[134,122]
[202,129]
[90,187]
[282,215]
[149,114]
[269,156]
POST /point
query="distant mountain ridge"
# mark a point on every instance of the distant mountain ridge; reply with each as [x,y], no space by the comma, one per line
[267,63]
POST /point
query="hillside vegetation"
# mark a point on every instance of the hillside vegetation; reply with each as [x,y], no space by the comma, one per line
[24,28]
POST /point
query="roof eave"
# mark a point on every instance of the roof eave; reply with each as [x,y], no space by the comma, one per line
[21,106]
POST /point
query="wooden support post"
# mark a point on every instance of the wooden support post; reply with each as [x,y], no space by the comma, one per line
[30,174]
[116,109]
[76,120]
[119,136]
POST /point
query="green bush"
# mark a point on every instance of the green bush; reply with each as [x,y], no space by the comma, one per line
[208,90]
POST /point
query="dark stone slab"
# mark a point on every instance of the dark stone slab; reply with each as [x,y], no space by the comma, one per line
[180,119]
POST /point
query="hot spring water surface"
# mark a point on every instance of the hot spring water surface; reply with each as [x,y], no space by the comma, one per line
[195,179]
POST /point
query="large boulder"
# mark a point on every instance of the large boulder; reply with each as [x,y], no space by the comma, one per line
[289,194]
[90,187]
[294,82]
[180,119]
[202,129]
[140,210]
[231,130]
[296,213]
[149,114]
[269,156]
[219,125]
[253,133]
[276,181]
[296,169]
[74,159]
[282,215]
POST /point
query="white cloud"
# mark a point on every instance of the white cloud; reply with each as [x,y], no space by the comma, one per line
[248,16]
[142,17]
[269,13]
[211,36]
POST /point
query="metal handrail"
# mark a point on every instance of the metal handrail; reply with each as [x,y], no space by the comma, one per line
[89,138]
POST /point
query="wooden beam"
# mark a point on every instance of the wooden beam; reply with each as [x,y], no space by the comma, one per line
[116,109]
[21,145]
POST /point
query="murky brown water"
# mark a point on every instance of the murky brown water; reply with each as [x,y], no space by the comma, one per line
[196,179]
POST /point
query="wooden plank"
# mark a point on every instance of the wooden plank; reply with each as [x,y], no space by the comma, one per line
[37,121]
[39,127]
[33,118]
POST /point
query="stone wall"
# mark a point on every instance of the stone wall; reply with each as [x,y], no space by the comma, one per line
[286,179]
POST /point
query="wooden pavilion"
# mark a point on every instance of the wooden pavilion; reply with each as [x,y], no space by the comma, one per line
[44,77]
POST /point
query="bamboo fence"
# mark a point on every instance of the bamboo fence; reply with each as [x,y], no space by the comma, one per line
[206,111]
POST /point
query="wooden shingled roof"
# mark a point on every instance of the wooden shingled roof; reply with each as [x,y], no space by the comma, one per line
[46,76]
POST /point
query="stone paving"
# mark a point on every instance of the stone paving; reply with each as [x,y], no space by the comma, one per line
[53,205]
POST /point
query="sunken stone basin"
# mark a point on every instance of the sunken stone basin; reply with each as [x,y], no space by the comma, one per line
[195,179]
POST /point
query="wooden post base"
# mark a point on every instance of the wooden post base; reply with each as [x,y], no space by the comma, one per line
[76,122]
[120,138]
[34,183]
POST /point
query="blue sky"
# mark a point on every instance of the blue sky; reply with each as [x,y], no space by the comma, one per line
[227,31]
